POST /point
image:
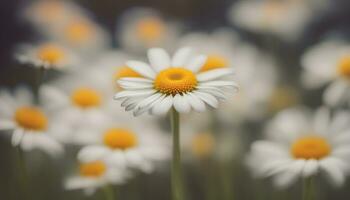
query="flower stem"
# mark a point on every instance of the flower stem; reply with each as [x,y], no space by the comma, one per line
[176,174]
[108,192]
[308,189]
[23,175]
[39,79]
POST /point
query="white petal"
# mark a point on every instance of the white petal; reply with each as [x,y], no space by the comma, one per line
[321,120]
[147,104]
[229,84]
[214,74]
[197,63]
[334,93]
[213,91]
[285,179]
[74,183]
[181,104]
[117,158]
[163,106]
[142,68]
[333,171]
[137,80]
[181,57]
[17,136]
[47,144]
[159,59]
[7,124]
[92,153]
[311,168]
[127,94]
[196,103]
[207,98]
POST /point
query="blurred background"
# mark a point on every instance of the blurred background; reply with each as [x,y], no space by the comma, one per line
[205,178]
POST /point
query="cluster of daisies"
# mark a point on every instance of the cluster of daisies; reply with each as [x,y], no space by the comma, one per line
[86,105]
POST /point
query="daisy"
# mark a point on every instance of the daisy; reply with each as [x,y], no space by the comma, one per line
[328,64]
[79,99]
[47,55]
[300,145]
[284,18]
[48,13]
[175,82]
[126,143]
[30,125]
[96,174]
[143,28]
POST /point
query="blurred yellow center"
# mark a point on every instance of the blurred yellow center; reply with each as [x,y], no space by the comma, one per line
[92,169]
[174,81]
[118,138]
[31,118]
[344,66]
[150,29]
[78,32]
[86,98]
[50,54]
[126,71]
[214,62]
[203,145]
[310,147]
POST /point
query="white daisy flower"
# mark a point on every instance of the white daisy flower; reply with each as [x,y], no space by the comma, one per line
[143,28]
[31,126]
[81,34]
[94,175]
[175,82]
[127,144]
[256,72]
[303,146]
[79,99]
[284,18]
[329,63]
[47,55]
[48,13]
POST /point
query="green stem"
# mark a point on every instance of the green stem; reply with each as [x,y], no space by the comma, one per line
[308,189]
[23,175]
[39,80]
[176,174]
[108,192]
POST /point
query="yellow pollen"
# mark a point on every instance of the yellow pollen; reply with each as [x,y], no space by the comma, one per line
[310,147]
[31,118]
[50,53]
[126,71]
[78,32]
[203,145]
[86,98]
[344,67]
[118,138]
[214,62]
[174,81]
[92,169]
[150,29]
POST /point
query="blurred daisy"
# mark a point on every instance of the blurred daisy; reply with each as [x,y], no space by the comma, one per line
[79,99]
[303,146]
[49,13]
[30,125]
[143,28]
[127,144]
[284,18]
[94,175]
[175,82]
[329,63]
[81,34]
[47,55]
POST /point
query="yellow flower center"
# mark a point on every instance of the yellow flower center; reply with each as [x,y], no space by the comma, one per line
[31,118]
[78,32]
[214,62]
[50,53]
[203,145]
[86,98]
[344,67]
[174,81]
[118,138]
[92,169]
[126,71]
[310,147]
[150,29]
